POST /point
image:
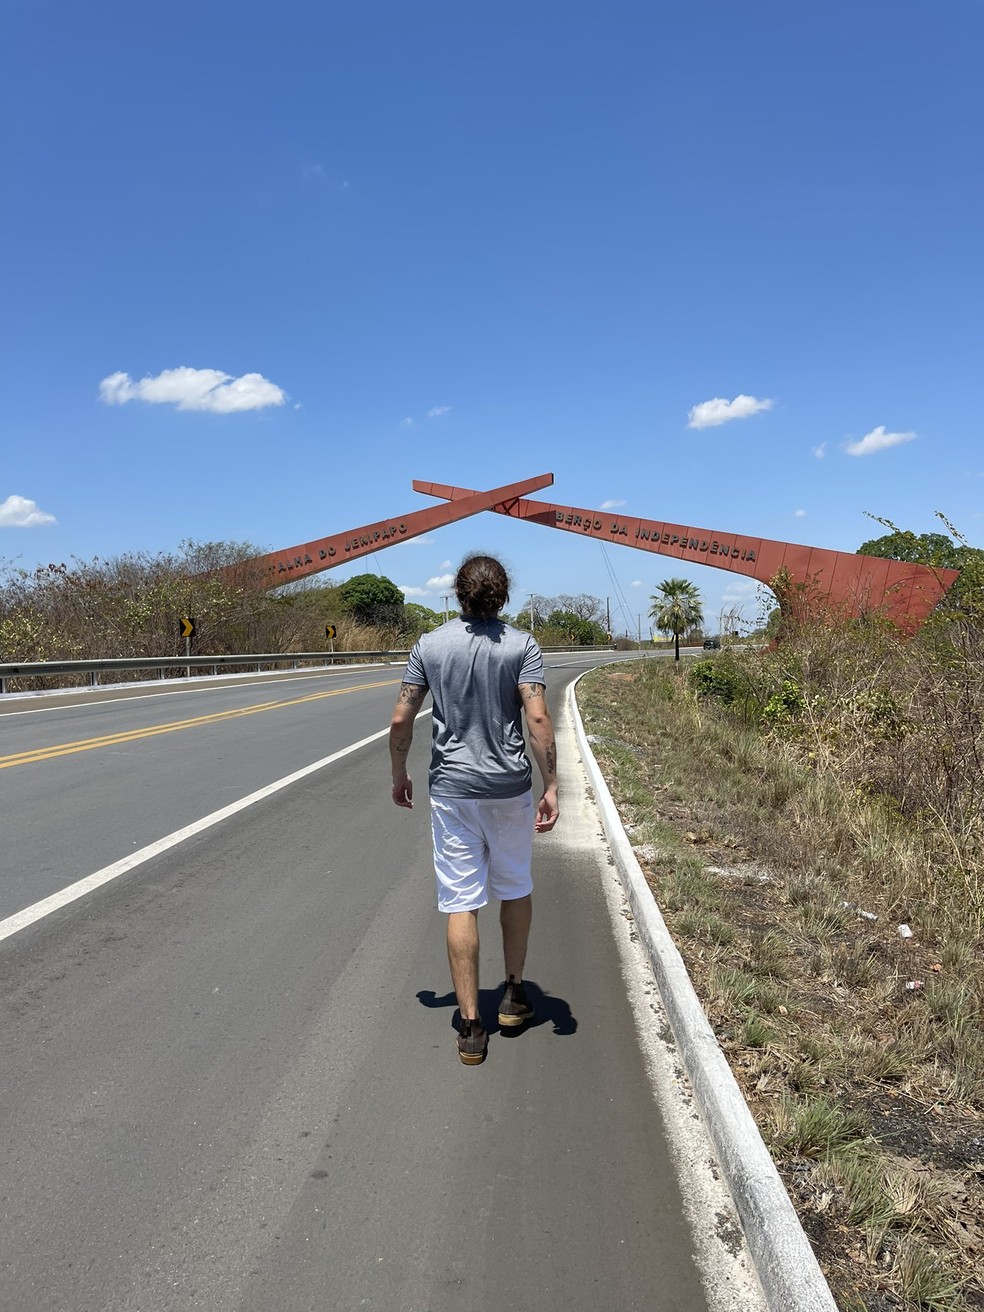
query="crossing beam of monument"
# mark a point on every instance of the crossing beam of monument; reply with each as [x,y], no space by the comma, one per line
[847,583]
[278,567]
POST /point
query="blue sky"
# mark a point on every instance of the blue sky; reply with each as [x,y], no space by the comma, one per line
[707,262]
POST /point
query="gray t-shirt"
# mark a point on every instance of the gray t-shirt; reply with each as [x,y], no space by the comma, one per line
[473,668]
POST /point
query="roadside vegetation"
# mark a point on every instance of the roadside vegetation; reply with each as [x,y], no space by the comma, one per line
[810,818]
[132,605]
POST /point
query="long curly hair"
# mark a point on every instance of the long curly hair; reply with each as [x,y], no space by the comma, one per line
[482,586]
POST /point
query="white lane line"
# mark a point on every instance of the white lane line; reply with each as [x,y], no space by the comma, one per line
[30,915]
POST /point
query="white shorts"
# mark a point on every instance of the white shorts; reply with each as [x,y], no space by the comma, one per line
[483,848]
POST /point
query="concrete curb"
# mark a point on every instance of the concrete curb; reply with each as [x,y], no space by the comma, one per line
[786,1265]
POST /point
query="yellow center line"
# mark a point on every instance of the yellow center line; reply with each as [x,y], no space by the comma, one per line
[132,735]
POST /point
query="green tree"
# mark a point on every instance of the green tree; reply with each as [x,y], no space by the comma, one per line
[938,551]
[372,599]
[676,607]
[419,619]
[918,549]
[575,629]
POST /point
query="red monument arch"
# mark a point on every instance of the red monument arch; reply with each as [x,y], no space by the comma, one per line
[846,582]
[808,577]
[278,567]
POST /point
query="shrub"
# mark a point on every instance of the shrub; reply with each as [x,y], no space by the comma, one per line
[784,708]
[715,678]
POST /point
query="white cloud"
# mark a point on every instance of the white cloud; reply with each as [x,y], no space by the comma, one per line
[423,541]
[636,583]
[439,584]
[445,564]
[406,423]
[19,512]
[737,593]
[611,505]
[819,451]
[437,411]
[800,514]
[194,389]
[877,440]
[719,411]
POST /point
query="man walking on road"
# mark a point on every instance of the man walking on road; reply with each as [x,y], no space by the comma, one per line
[482,674]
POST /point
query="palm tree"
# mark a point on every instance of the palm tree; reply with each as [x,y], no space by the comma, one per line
[676,608]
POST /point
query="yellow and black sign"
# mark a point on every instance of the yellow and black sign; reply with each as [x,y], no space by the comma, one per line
[331,633]
[187,626]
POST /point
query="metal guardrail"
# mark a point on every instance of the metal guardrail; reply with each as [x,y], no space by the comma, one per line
[291,660]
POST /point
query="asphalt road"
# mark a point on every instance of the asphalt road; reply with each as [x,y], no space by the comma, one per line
[229,1077]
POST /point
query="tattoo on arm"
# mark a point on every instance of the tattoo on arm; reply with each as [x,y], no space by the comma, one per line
[401,746]
[411,694]
[530,691]
[551,755]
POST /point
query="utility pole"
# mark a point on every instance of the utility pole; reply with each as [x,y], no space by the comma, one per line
[639,618]
[608,615]
[446,600]
[531,611]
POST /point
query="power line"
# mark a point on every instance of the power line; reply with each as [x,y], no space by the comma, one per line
[622,604]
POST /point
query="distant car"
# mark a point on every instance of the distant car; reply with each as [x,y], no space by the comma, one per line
[712,644]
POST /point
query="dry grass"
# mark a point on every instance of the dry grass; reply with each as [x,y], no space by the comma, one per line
[131,607]
[784,877]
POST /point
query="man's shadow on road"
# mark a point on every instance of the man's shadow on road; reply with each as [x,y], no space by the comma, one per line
[549,1010]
